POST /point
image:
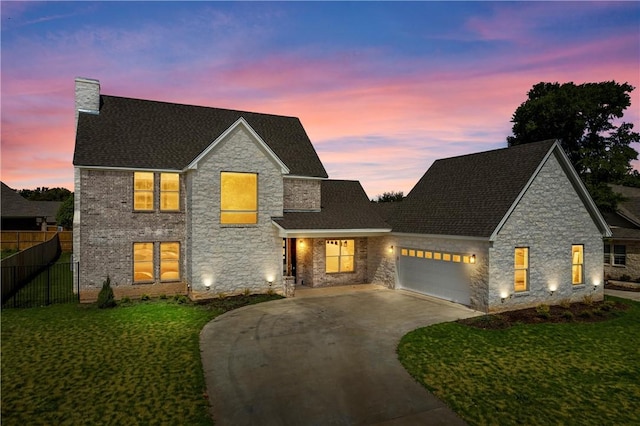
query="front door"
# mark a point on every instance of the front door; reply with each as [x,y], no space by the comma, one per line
[289,257]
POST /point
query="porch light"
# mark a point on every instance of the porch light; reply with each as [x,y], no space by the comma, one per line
[472,259]
[504,295]
[552,289]
[390,249]
[596,283]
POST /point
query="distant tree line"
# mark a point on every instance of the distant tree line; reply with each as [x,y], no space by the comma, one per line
[64,216]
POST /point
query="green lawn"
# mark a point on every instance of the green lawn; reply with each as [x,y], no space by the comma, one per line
[538,374]
[135,364]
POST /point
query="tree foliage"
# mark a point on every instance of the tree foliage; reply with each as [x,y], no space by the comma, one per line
[389,197]
[45,194]
[587,121]
[64,216]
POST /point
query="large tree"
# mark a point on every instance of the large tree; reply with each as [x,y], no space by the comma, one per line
[587,121]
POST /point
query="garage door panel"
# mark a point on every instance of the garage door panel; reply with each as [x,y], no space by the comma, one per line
[446,280]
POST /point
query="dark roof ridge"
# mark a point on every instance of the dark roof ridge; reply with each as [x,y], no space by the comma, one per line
[239,111]
[549,141]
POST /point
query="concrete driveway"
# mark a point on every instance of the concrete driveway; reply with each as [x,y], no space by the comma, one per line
[328,360]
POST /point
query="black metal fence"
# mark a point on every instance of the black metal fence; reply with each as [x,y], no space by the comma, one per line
[49,284]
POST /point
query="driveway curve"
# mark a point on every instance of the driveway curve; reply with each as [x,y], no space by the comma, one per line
[327,360]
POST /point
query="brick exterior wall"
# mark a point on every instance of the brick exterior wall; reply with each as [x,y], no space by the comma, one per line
[311,264]
[233,258]
[632,267]
[549,219]
[105,228]
[301,194]
[381,265]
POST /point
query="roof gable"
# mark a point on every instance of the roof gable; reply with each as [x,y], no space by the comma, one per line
[241,123]
[142,134]
[468,195]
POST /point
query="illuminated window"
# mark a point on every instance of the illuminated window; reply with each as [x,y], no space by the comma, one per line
[437,256]
[419,253]
[143,262]
[339,256]
[169,191]
[412,253]
[428,255]
[457,258]
[577,264]
[169,261]
[238,198]
[521,266]
[446,257]
[143,191]
[405,252]
[465,259]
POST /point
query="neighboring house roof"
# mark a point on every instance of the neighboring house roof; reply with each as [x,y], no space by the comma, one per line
[472,195]
[625,221]
[143,134]
[15,205]
[344,206]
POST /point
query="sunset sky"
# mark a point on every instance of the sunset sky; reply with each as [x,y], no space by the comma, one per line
[382,88]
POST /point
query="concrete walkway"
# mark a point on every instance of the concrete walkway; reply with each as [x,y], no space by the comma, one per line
[632,295]
[322,360]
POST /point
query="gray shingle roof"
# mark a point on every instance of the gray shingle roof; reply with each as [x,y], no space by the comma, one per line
[344,205]
[15,205]
[135,133]
[468,195]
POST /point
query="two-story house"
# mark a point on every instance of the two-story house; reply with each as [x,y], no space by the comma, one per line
[174,198]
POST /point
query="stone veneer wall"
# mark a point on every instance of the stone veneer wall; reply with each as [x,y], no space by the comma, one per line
[381,263]
[105,228]
[549,219]
[301,194]
[479,279]
[233,258]
[311,264]
[632,267]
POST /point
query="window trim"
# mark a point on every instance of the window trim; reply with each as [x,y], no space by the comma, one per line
[340,256]
[525,268]
[579,264]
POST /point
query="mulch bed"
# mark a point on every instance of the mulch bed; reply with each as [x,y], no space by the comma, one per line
[573,313]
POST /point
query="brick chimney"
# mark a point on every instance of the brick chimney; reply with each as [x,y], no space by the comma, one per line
[87,96]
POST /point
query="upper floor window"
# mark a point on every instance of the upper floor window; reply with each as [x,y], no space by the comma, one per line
[577,264]
[521,267]
[238,198]
[169,191]
[340,255]
[143,191]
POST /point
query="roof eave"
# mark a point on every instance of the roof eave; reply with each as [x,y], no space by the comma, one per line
[331,233]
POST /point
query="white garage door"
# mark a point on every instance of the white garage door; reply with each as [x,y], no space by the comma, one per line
[443,275]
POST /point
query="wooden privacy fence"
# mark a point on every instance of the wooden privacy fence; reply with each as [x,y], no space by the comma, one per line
[19,269]
[22,240]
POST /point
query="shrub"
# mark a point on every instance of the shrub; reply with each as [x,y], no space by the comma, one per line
[543,311]
[163,296]
[145,297]
[125,300]
[565,303]
[106,298]
[247,292]
[222,295]
[567,315]
[588,299]
[587,313]
[608,305]
[181,299]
